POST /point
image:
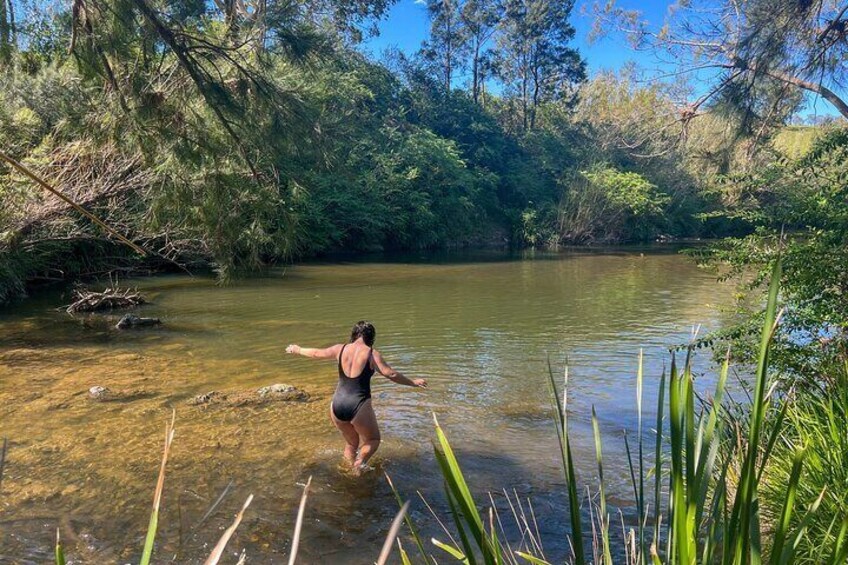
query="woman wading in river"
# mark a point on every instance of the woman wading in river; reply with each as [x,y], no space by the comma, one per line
[351,409]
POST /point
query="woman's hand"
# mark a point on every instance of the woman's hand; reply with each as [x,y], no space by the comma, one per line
[293,349]
[420,383]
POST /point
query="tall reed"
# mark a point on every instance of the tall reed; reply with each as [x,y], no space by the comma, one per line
[711,513]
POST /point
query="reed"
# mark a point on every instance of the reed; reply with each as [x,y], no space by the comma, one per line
[715,467]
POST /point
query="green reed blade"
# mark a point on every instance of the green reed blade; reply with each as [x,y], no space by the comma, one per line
[466,544]
[494,538]
[531,559]
[152,526]
[773,437]
[840,548]
[568,465]
[658,459]
[60,552]
[456,481]
[404,558]
[678,546]
[716,522]
[710,445]
[409,524]
[788,554]
[692,480]
[633,482]
[604,519]
[742,517]
[780,533]
[456,553]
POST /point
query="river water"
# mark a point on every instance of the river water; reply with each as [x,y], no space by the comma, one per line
[480,327]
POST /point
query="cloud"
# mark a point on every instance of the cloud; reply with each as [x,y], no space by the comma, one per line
[420,1]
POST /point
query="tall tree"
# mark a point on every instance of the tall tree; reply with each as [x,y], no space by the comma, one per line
[480,20]
[748,46]
[447,44]
[534,58]
[7,24]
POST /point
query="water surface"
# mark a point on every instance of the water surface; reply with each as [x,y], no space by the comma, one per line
[479,327]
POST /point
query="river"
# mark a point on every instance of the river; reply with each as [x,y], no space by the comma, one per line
[479,326]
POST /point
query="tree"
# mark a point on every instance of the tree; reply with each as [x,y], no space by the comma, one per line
[447,43]
[746,48]
[534,58]
[7,29]
[480,19]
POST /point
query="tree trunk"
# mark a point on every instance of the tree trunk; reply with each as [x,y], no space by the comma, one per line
[5,48]
[475,73]
[13,30]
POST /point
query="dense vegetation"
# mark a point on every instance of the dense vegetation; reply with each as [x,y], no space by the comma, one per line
[236,135]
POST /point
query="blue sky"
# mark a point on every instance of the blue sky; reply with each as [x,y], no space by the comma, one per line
[406,26]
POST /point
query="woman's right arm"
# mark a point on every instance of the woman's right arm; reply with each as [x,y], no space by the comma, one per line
[328,353]
[387,371]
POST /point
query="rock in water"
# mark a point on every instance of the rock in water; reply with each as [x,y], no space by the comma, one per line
[207,398]
[98,392]
[133,321]
[282,392]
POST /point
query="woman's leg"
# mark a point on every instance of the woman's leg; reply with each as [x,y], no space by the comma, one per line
[350,436]
[365,424]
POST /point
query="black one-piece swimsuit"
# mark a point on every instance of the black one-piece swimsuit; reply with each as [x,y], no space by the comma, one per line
[351,392]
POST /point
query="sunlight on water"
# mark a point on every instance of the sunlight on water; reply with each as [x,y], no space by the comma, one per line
[478,327]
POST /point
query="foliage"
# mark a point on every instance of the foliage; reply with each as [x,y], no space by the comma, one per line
[799,209]
[816,421]
[760,55]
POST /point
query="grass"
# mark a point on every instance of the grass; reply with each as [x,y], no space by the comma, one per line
[816,424]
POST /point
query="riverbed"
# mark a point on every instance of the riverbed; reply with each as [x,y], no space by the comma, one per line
[480,327]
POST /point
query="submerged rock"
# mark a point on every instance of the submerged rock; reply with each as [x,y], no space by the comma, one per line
[98,392]
[265,395]
[207,398]
[103,394]
[282,392]
[133,321]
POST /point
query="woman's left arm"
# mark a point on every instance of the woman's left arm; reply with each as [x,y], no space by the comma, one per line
[387,371]
[328,353]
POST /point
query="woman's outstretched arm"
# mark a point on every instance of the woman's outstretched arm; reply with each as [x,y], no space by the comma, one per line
[386,370]
[328,353]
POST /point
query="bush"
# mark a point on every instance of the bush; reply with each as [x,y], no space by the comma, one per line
[604,205]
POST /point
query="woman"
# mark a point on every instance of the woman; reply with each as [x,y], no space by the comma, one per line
[351,409]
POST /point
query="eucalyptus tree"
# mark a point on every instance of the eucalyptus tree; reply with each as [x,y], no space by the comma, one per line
[480,20]
[7,29]
[445,49]
[534,58]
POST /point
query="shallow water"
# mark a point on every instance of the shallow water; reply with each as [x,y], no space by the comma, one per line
[480,327]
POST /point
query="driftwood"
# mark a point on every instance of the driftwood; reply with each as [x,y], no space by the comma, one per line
[110,299]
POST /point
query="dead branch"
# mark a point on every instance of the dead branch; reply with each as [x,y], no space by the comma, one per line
[112,298]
